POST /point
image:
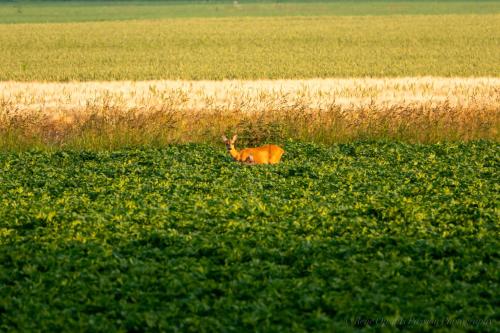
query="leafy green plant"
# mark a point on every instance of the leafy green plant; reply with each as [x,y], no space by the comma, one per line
[358,236]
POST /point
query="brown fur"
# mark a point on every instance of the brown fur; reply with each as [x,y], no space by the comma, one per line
[267,154]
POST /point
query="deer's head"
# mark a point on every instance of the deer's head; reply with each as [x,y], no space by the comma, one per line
[229,143]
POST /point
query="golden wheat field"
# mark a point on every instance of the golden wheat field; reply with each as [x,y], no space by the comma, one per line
[107,114]
[251,96]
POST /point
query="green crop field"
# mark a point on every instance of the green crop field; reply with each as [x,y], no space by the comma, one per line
[82,11]
[182,238]
[254,48]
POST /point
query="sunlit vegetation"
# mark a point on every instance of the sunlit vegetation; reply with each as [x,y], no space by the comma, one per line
[185,238]
[253,48]
[121,211]
[106,115]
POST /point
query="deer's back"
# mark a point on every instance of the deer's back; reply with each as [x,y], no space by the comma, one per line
[268,154]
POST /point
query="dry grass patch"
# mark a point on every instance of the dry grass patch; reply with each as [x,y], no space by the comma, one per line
[115,114]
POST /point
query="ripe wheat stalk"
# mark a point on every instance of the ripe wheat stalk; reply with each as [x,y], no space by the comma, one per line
[113,114]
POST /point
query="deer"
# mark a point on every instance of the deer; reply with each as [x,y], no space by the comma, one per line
[267,154]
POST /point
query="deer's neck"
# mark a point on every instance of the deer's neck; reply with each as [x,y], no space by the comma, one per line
[234,153]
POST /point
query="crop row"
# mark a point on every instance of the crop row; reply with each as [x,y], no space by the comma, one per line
[252,48]
[98,115]
[75,11]
[182,238]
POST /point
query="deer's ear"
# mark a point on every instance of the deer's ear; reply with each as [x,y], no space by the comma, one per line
[234,138]
[224,138]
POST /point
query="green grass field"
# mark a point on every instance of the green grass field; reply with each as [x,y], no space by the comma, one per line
[79,11]
[253,48]
[183,238]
